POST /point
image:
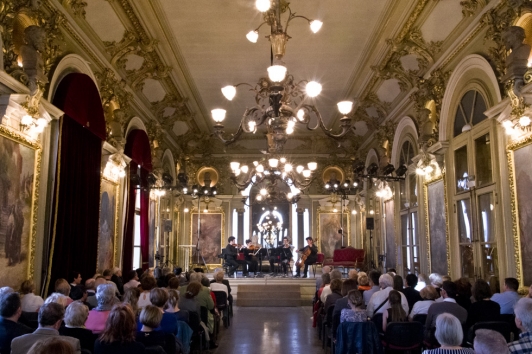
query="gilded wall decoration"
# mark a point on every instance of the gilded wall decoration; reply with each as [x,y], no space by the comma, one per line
[76,6]
[470,7]
[114,94]
[431,89]
[108,226]
[20,159]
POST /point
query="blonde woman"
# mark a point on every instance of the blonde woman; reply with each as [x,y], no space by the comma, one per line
[30,301]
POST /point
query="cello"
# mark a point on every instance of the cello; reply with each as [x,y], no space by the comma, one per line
[303,257]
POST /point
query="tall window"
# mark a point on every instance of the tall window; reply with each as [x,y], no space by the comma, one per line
[136,242]
[409,212]
[474,189]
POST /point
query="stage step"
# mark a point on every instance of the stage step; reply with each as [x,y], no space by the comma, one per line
[274,295]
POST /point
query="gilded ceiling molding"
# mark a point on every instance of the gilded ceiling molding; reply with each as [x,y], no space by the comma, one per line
[470,7]
[384,136]
[170,101]
[76,6]
[372,101]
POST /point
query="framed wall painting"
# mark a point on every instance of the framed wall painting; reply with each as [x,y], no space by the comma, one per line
[209,229]
[20,165]
[328,237]
[520,171]
[391,243]
[436,226]
[108,226]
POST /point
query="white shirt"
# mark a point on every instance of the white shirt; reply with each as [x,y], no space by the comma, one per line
[144,299]
[131,284]
[219,287]
[31,302]
[379,297]
[325,292]
[368,293]
[420,308]
[420,285]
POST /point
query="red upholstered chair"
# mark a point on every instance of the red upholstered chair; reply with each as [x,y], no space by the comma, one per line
[346,258]
[319,262]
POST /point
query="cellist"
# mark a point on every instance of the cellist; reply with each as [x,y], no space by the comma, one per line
[312,256]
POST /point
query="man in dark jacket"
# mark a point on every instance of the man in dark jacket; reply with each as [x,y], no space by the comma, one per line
[411,294]
[10,311]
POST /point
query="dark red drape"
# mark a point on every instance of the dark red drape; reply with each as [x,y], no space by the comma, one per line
[138,149]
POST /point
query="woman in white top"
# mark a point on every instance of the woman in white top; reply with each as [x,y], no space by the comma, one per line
[30,302]
[428,294]
[132,280]
[218,285]
[147,282]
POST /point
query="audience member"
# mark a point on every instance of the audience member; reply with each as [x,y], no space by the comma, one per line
[325,281]
[30,301]
[436,281]
[131,280]
[398,283]
[58,299]
[159,298]
[421,281]
[483,309]
[75,317]
[343,303]
[523,321]
[107,274]
[52,345]
[147,283]
[336,294]
[449,305]
[173,284]
[116,278]
[218,285]
[62,287]
[428,295]
[489,342]
[379,301]
[509,297]
[395,313]
[355,312]
[353,274]
[10,311]
[463,295]
[188,302]
[131,297]
[363,282]
[118,336]
[449,334]
[172,306]
[319,280]
[411,294]
[335,274]
[204,298]
[150,319]
[75,279]
[50,319]
[90,287]
[374,283]
[105,295]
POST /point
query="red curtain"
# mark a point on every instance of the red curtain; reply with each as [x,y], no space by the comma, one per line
[138,149]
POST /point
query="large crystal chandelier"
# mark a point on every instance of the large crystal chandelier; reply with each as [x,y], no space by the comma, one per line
[281,102]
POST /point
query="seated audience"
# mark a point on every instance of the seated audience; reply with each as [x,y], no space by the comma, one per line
[147,283]
[523,321]
[188,302]
[107,274]
[449,334]
[75,280]
[395,311]
[105,295]
[58,299]
[90,287]
[173,284]
[218,285]
[75,317]
[172,306]
[325,281]
[30,301]
[483,309]
[131,280]
[356,311]
[398,283]
[489,342]
[421,281]
[374,284]
[463,295]
[343,303]
[116,278]
[10,311]
[509,297]
[158,298]
[379,301]
[411,294]
[436,281]
[150,319]
[131,297]
[118,336]
[62,287]
[449,305]
[55,345]
[336,294]
[363,282]
[50,319]
[319,280]
[335,274]
[428,295]
[353,274]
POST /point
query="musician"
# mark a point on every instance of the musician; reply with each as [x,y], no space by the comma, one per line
[231,253]
[251,260]
[311,258]
[285,251]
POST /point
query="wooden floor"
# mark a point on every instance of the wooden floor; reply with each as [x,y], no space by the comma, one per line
[270,330]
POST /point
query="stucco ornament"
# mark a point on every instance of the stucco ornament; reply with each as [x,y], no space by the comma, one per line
[517,60]
[32,62]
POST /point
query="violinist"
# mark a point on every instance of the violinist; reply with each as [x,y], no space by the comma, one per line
[312,256]
[285,252]
[231,253]
[251,260]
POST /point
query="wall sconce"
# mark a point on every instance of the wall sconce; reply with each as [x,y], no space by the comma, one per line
[512,125]
[38,124]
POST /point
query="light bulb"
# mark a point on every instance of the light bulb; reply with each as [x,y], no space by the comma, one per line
[218,115]
[277,73]
[312,166]
[263,5]
[507,124]
[42,122]
[289,130]
[273,163]
[252,125]
[263,191]
[234,165]
[301,114]
[420,171]
[244,168]
[121,173]
[372,212]
[289,195]
[260,168]
[335,210]
[345,107]
[26,120]
[313,89]
[291,124]
[306,173]
[259,197]
[296,191]
[229,92]
[354,212]
[283,160]
[287,168]
[315,26]
[252,36]
[185,210]
[299,168]
[429,169]
[524,121]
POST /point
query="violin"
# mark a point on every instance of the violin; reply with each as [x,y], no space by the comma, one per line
[303,257]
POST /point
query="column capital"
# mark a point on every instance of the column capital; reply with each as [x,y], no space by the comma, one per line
[240,210]
[300,210]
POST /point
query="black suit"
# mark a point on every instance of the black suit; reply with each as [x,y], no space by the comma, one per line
[8,331]
[85,336]
[251,262]
[230,257]
[412,296]
[311,259]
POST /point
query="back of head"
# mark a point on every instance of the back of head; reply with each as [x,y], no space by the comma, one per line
[120,325]
[512,283]
[397,311]
[374,277]
[436,280]
[481,290]
[353,274]
[158,297]
[326,269]
[523,312]
[131,297]
[54,344]
[90,284]
[196,276]
[325,279]
[105,295]
[62,287]
[107,273]
[336,285]
[151,316]
[58,299]
[448,330]
[130,276]
[148,282]
[173,283]
[348,285]
[355,297]
[429,293]
[50,313]
[219,276]
[336,274]
[411,280]
[173,299]
[76,314]
[193,290]
[463,287]
[205,281]
[398,283]
[9,304]
[363,280]
[27,286]
[488,341]
[450,288]
[422,278]
[6,290]
[385,281]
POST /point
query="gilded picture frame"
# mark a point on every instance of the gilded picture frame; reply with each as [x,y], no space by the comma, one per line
[20,159]
[328,237]
[212,237]
[520,190]
[108,224]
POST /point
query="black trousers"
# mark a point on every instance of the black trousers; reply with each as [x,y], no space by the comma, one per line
[233,265]
[253,266]
[309,261]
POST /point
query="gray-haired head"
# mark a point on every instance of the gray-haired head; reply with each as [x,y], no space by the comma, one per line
[336,274]
[436,280]
[76,314]
[57,298]
[488,342]
[523,313]
[448,330]
[105,295]
[196,276]
[6,290]
[385,281]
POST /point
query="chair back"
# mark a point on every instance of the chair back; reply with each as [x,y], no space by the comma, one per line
[404,335]
[320,258]
[194,321]
[510,319]
[329,314]
[497,326]
[221,299]
[377,320]
[420,318]
[204,314]
[358,337]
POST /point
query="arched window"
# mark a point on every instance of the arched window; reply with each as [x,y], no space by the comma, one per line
[469,112]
